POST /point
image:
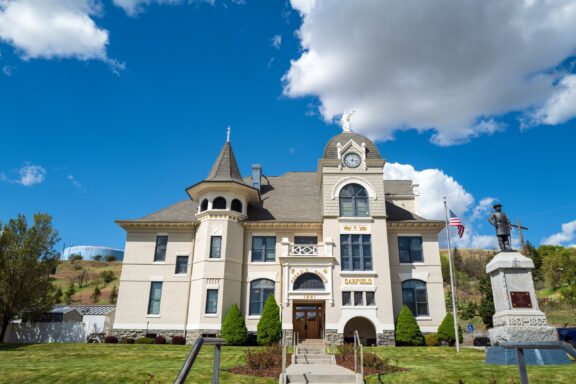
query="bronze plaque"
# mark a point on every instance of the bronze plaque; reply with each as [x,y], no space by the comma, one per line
[521,300]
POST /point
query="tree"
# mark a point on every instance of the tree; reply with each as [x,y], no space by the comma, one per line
[108,276]
[113,295]
[446,330]
[95,296]
[26,257]
[486,307]
[407,329]
[70,291]
[468,310]
[75,257]
[110,258]
[234,328]
[57,295]
[532,252]
[269,329]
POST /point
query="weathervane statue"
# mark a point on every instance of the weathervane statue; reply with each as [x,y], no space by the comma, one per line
[345,121]
[500,221]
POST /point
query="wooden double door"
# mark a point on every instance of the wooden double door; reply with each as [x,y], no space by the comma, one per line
[308,320]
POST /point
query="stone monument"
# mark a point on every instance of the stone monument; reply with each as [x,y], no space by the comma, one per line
[517,317]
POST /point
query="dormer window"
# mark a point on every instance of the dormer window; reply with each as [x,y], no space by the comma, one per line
[219,203]
[354,201]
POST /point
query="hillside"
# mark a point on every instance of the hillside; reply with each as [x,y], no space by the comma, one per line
[85,276]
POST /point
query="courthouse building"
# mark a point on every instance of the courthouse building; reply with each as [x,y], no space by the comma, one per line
[340,249]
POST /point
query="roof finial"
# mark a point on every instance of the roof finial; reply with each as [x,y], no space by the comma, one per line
[345,121]
[228,134]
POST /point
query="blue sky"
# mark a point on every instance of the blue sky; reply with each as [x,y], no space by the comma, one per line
[102,126]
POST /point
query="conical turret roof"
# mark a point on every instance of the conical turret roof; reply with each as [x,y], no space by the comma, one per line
[225,167]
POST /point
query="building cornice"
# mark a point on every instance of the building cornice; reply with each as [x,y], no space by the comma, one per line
[281,225]
[428,224]
[126,224]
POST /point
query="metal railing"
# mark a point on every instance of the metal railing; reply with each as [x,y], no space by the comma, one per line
[358,348]
[185,370]
[284,346]
[520,347]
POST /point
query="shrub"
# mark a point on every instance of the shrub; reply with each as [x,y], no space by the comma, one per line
[108,276]
[269,328]
[407,330]
[97,258]
[145,340]
[126,340]
[376,362]
[110,258]
[446,330]
[262,359]
[75,257]
[234,328]
[179,340]
[347,351]
[160,340]
[431,340]
[111,340]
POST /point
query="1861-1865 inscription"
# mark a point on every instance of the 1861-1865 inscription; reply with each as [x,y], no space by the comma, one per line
[521,300]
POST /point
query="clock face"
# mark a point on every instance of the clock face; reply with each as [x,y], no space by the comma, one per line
[352,160]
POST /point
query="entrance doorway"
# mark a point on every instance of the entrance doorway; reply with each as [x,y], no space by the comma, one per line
[308,320]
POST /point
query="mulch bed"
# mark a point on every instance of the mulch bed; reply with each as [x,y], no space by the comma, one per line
[349,363]
[268,372]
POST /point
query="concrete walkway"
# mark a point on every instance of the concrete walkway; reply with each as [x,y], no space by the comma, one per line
[312,365]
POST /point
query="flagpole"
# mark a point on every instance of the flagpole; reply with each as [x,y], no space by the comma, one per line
[452,282]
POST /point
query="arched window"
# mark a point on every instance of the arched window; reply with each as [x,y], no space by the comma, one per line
[415,297]
[219,203]
[309,282]
[237,205]
[204,205]
[259,292]
[354,201]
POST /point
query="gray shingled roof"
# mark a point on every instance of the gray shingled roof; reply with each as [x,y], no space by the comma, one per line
[86,309]
[292,197]
[331,151]
[225,168]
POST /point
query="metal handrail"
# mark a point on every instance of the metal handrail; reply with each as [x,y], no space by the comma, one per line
[185,370]
[284,346]
[358,346]
[520,347]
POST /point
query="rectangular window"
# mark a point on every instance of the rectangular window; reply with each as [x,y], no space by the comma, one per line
[346,298]
[211,301]
[410,249]
[181,265]
[263,248]
[358,298]
[155,297]
[370,298]
[356,252]
[215,247]
[160,251]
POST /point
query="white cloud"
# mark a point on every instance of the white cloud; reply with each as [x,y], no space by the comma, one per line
[76,183]
[54,29]
[561,106]
[451,67]
[561,238]
[276,41]
[134,7]
[28,175]
[8,70]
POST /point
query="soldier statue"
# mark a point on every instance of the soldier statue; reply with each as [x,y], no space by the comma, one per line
[503,227]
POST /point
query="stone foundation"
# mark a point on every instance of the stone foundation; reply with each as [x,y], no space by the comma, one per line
[333,337]
[386,338]
[193,335]
[289,336]
[138,333]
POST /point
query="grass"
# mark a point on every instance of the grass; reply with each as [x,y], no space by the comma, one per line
[117,363]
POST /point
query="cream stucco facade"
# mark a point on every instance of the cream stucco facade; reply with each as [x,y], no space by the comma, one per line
[339,248]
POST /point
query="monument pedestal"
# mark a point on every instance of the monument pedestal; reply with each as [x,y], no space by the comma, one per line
[518,317]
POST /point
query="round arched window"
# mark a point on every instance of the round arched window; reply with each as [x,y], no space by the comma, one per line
[219,203]
[354,201]
[237,205]
[309,282]
[204,205]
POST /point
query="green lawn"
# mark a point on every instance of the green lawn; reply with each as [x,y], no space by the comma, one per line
[109,363]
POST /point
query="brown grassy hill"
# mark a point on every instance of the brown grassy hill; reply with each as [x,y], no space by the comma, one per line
[86,275]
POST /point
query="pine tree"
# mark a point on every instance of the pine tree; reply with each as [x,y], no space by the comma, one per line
[234,328]
[95,296]
[269,330]
[113,295]
[407,329]
[70,291]
[486,307]
[57,295]
[446,330]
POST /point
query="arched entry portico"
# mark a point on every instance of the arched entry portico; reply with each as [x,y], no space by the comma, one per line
[365,328]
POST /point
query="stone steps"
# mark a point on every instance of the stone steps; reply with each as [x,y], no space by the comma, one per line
[320,373]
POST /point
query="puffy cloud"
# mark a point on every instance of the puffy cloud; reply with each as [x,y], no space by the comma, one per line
[54,29]
[561,238]
[133,7]
[28,175]
[451,67]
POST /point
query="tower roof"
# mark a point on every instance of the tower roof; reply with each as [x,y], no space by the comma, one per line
[331,150]
[225,168]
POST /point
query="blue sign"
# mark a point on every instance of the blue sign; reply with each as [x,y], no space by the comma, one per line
[470,328]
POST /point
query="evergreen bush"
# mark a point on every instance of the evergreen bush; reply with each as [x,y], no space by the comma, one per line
[144,340]
[407,329]
[431,340]
[446,330]
[234,328]
[269,328]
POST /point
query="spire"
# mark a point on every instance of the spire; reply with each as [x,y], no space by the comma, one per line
[225,168]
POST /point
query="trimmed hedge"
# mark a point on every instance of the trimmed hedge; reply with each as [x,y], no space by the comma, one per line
[407,329]
[269,330]
[446,330]
[145,340]
[234,328]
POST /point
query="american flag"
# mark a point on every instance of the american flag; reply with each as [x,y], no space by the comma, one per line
[455,222]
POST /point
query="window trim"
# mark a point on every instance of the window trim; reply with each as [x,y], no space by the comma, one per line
[176,265]
[350,256]
[414,297]
[265,253]
[353,200]
[149,311]
[261,300]
[208,302]
[156,259]
[411,259]
[211,255]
